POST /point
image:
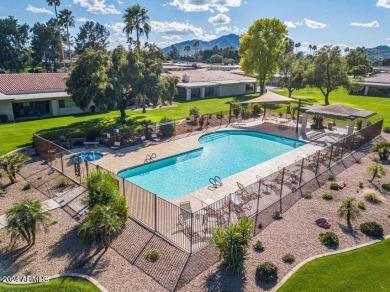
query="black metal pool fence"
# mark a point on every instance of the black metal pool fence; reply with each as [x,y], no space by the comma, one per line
[192,231]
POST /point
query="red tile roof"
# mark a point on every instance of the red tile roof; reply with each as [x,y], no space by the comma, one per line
[36,82]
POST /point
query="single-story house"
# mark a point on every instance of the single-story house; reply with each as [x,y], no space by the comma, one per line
[35,95]
[378,85]
[203,83]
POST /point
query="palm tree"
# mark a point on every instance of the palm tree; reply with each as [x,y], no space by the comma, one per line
[196,45]
[25,219]
[314,47]
[349,209]
[187,48]
[297,46]
[136,18]
[310,48]
[376,169]
[12,163]
[102,224]
[67,20]
[57,3]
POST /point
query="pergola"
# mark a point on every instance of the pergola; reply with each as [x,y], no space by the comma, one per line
[337,111]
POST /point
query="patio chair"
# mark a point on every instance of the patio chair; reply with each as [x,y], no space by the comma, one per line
[116,146]
[185,215]
[144,140]
[155,138]
[246,195]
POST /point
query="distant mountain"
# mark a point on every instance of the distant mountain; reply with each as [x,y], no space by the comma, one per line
[379,52]
[230,40]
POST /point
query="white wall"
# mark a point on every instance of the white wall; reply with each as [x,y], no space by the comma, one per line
[231,89]
[6,109]
[69,111]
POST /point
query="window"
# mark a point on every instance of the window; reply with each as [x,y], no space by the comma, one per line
[209,91]
[195,92]
[61,103]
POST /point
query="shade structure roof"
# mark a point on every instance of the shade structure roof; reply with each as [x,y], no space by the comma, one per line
[338,110]
[270,97]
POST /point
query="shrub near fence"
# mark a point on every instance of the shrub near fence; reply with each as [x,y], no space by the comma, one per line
[193,231]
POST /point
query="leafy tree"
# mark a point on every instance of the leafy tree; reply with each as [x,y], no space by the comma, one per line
[12,163]
[167,88]
[67,20]
[136,19]
[103,223]
[236,109]
[89,80]
[261,47]
[57,3]
[174,53]
[232,243]
[25,219]
[349,209]
[92,35]
[14,38]
[358,63]
[327,72]
[46,45]
[376,170]
[194,112]
[216,59]
[291,69]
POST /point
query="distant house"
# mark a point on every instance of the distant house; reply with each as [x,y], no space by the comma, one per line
[35,95]
[378,85]
[203,83]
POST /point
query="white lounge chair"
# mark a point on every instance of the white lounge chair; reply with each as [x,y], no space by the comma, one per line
[155,138]
[116,146]
[144,140]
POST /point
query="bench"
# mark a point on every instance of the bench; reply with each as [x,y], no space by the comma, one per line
[91,143]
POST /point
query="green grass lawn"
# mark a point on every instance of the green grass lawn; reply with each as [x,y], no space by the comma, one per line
[19,134]
[380,105]
[364,269]
[64,284]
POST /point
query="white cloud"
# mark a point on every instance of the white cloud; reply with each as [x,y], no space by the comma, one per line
[172,38]
[314,24]
[227,29]
[383,3]
[293,24]
[120,2]
[3,17]
[117,27]
[38,10]
[177,28]
[83,19]
[219,19]
[205,5]
[97,6]
[207,37]
[367,24]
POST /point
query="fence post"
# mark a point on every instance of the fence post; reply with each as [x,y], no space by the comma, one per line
[192,232]
[281,191]
[230,208]
[318,162]
[300,178]
[124,188]
[342,150]
[86,167]
[352,142]
[257,207]
[331,154]
[155,212]
[62,162]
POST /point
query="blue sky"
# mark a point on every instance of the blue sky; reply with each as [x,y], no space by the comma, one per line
[344,22]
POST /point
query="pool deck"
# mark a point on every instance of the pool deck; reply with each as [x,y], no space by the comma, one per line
[135,155]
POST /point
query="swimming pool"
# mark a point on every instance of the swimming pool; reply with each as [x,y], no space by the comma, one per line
[223,154]
[90,156]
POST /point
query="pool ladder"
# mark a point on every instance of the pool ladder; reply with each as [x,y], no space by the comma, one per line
[215,182]
[150,158]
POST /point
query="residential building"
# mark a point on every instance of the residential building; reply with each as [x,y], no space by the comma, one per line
[378,85]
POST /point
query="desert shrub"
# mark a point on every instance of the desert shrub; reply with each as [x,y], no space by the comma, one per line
[386,186]
[372,229]
[267,272]
[63,181]
[288,258]
[360,184]
[372,196]
[383,150]
[168,128]
[258,246]
[386,130]
[3,118]
[236,109]
[259,226]
[327,197]
[358,161]
[329,239]
[331,177]
[26,187]
[255,109]
[362,206]
[277,215]
[92,134]
[194,112]
[334,186]
[307,196]
[359,123]
[317,122]
[153,255]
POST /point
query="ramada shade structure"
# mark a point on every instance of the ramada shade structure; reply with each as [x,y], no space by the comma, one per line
[270,97]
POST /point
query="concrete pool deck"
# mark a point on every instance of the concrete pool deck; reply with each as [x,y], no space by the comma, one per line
[116,161]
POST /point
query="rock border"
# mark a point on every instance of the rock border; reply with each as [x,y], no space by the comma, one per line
[301,264]
[74,275]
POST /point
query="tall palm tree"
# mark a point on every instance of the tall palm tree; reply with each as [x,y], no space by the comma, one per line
[297,46]
[66,19]
[314,47]
[12,163]
[196,45]
[349,209]
[310,48]
[102,224]
[187,48]
[25,219]
[136,19]
[57,3]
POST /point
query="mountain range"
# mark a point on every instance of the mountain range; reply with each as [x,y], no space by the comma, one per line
[233,40]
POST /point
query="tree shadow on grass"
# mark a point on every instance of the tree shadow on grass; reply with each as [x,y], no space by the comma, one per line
[221,280]
[81,258]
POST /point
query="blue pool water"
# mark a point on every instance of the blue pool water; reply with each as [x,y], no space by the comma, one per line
[90,156]
[223,154]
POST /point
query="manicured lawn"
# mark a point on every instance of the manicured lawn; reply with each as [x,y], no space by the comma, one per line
[365,269]
[65,284]
[380,105]
[16,135]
